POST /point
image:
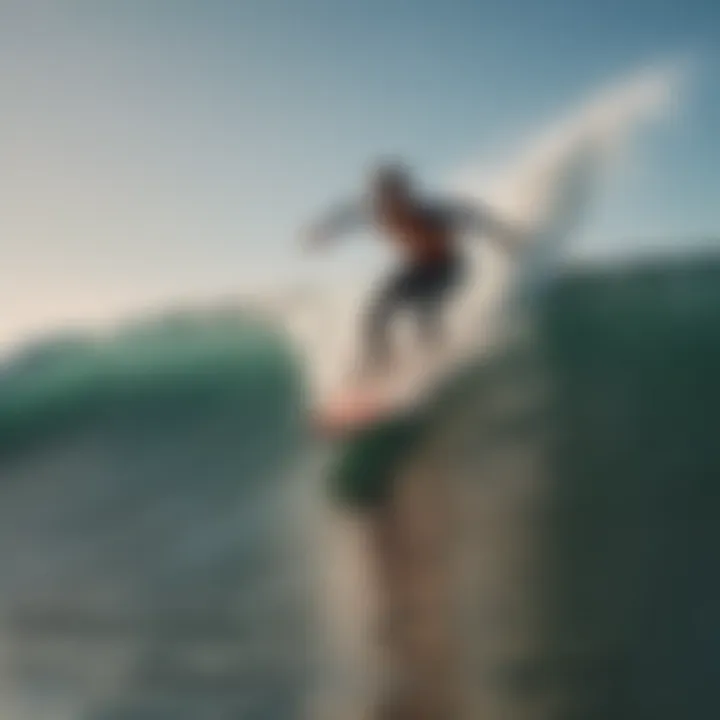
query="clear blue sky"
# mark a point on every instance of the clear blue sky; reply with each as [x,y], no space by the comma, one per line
[175,145]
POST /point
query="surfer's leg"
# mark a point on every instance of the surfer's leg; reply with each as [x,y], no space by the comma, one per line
[381,309]
[432,328]
[432,292]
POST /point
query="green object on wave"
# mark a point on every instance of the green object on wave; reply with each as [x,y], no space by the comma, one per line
[61,384]
[368,462]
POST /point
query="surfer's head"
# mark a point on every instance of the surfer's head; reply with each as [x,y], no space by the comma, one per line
[391,187]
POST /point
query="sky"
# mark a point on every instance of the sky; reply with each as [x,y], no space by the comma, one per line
[155,151]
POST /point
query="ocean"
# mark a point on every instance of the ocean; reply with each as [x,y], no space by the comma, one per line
[144,529]
[163,505]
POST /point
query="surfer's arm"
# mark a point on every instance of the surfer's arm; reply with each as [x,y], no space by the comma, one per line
[340,220]
[481,220]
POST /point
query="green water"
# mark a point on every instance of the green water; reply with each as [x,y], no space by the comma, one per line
[140,479]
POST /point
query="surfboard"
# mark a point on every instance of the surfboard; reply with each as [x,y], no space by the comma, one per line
[361,402]
[353,406]
[357,406]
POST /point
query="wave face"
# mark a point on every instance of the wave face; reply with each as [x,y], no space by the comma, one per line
[152,565]
[146,570]
[573,479]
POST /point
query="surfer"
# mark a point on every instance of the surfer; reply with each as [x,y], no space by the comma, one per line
[426,232]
